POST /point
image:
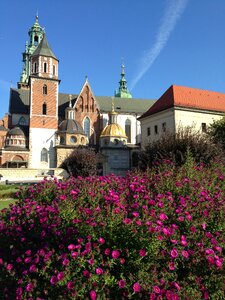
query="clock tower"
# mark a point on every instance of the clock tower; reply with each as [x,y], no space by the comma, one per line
[44,85]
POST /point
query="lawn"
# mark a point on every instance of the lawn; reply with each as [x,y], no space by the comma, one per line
[7,193]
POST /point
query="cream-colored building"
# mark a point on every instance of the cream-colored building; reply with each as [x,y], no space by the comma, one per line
[181,107]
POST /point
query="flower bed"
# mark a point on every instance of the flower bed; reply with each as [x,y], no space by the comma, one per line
[156,235]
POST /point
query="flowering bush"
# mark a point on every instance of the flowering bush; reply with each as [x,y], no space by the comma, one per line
[157,235]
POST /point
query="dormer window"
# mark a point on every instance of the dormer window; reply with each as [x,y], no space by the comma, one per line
[45,90]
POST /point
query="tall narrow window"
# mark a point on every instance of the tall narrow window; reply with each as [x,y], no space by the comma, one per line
[45,67]
[35,67]
[44,109]
[204,127]
[164,126]
[128,130]
[45,90]
[156,129]
[54,72]
[148,131]
[87,127]
[44,155]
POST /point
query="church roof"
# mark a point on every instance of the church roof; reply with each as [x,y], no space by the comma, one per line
[186,97]
[71,126]
[19,103]
[2,128]
[44,49]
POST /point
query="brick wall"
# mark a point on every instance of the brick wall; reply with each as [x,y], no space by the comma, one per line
[86,106]
[37,118]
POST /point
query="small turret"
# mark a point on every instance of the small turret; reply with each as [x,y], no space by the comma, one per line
[123,91]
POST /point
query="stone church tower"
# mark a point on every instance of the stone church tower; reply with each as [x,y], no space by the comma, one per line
[44,85]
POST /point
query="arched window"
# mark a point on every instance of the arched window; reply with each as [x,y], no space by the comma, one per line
[45,89]
[128,130]
[22,121]
[44,109]
[36,40]
[87,127]
[44,155]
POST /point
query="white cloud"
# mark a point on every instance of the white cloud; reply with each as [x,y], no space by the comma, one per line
[172,13]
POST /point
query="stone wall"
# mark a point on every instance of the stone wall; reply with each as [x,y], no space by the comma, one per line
[20,174]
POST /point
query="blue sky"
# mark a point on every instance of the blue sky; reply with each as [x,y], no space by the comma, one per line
[161,42]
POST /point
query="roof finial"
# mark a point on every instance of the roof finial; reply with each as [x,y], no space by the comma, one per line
[113,105]
[122,67]
[37,16]
[70,104]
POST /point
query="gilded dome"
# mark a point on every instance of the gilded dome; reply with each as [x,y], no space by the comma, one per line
[113,130]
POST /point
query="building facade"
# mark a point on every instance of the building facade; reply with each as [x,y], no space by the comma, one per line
[181,107]
[43,126]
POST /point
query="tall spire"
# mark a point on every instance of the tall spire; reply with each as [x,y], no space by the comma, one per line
[123,91]
[35,36]
[44,49]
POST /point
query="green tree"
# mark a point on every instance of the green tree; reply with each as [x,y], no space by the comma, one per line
[81,162]
[177,147]
[217,132]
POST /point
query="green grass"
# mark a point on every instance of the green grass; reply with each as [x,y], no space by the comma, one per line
[8,191]
[5,203]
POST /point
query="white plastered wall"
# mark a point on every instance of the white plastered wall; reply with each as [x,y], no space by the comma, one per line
[42,138]
[194,119]
[156,120]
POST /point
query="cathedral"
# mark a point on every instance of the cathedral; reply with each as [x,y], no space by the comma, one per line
[43,126]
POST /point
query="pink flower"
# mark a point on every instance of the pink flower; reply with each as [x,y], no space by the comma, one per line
[219,263]
[163,217]
[107,251]
[122,283]
[70,285]
[53,280]
[29,287]
[86,273]
[60,276]
[93,295]
[142,252]
[185,254]
[9,267]
[115,254]
[65,262]
[99,271]
[174,253]
[71,247]
[171,266]
[136,287]
[32,268]
[156,289]
[101,240]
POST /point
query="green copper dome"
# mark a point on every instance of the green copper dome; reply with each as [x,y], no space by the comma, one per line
[123,91]
[35,36]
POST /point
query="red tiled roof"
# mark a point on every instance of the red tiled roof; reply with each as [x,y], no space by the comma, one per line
[188,97]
